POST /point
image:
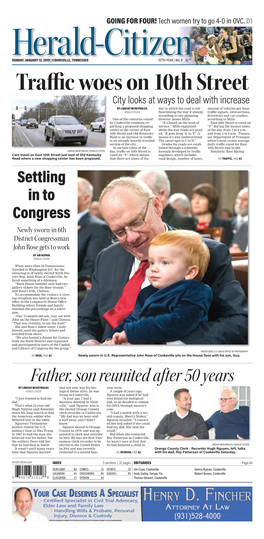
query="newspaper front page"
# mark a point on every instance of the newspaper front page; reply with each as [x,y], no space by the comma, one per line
[161,431]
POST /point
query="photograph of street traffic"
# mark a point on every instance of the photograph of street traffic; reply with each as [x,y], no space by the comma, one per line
[60,121]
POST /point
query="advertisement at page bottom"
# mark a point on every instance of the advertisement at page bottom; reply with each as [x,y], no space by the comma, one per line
[132,368]
[132,503]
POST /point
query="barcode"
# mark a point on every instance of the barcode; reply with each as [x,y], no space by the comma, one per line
[34,469]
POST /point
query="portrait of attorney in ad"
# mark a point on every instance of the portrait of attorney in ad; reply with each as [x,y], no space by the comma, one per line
[162,257]
[195,413]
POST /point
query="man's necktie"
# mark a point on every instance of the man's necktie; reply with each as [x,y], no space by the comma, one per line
[126,303]
[25,519]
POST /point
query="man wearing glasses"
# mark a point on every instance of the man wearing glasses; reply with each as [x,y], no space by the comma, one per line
[231,422]
[133,214]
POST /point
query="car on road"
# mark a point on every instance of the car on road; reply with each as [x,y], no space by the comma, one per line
[98,124]
[23,122]
[32,122]
[43,122]
[65,129]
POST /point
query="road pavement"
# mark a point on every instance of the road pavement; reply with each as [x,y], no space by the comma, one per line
[34,138]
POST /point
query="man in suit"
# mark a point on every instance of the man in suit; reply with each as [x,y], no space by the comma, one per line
[133,213]
[92,236]
[182,424]
[240,223]
[159,184]
[182,203]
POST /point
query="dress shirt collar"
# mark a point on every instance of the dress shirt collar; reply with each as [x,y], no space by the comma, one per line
[181,416]
[241,219]
[236,408]
[81,214]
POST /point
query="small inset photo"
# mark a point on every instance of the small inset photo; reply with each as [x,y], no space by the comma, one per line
[216,413]
[71,121]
